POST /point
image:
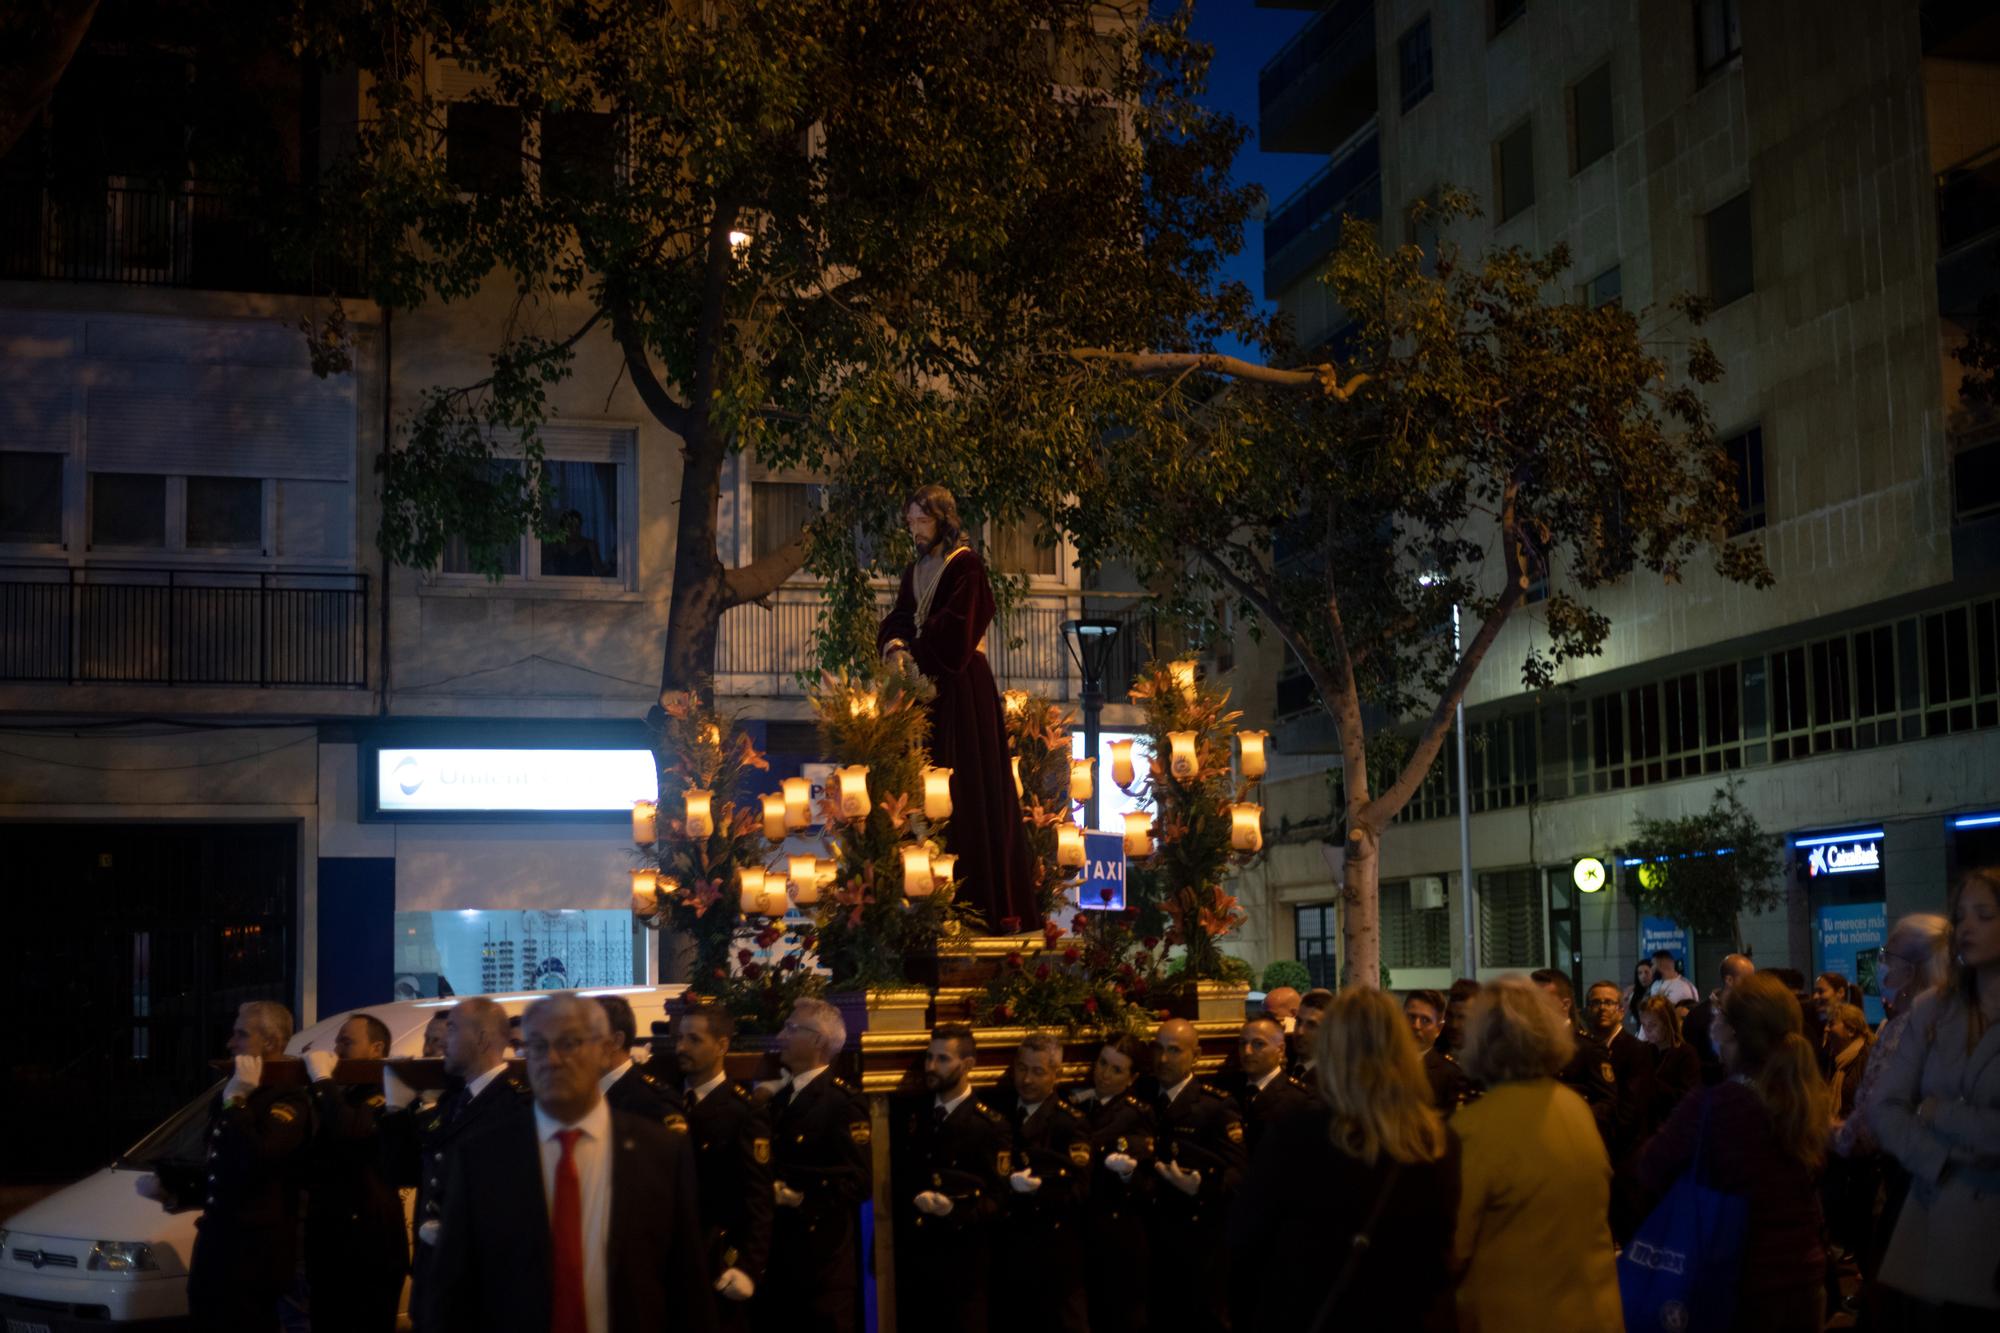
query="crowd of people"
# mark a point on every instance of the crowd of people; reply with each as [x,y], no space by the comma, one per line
[1472,1160]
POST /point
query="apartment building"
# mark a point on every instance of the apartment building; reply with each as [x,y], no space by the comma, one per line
[1829,178]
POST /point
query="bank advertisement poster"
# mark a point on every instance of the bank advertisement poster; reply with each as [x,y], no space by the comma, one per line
[1663,932]
[1847,938]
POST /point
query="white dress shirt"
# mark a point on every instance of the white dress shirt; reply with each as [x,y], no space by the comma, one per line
[604,1083]
[1175,1091]
[591,1156]
[799,1081]
[1260,1084]
[477,1085]
[697,1093]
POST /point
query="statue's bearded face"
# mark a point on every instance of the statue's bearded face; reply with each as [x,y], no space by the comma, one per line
[923,528]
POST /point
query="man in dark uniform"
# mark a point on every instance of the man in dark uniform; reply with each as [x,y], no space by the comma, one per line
[1424,1011]
[1200,1160]
[951,1174]
[357,1248]
[820,1173]
[732,1155]
[245,1244]
[1121,1189]
[417,1143]
[628,1085]
[1589,1073]
[1041,1225]
[1268,1094]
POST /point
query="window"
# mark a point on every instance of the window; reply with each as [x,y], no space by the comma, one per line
[1500,763]
[1718,37]
[1504,12]
[584,498]
[578,153]
[1514,170]
[31,498]
[128,509]
[225,513]
[779,511]
[1975,479]
[1416,923]
[1510,919]
[1607,288]
[1017,549]
[1413,57]
[1590,134]
[1948,670]
[1319,943]
[1746,455]
[458,550]
[1726,237]
[482,147]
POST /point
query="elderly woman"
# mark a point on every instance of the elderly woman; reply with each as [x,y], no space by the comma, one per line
[1534,1242]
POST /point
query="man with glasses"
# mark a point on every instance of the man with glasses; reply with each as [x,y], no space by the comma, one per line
[1424,1010]
[1631,1060]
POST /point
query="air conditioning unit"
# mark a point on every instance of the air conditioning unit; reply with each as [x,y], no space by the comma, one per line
[1427,893]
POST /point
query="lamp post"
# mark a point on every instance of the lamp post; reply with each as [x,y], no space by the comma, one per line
[1466,896]
[1090,644]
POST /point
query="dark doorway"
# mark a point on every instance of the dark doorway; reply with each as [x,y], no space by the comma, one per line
[133,944]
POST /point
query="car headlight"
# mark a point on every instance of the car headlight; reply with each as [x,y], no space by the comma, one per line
[121,1256]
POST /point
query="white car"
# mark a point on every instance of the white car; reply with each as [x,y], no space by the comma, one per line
[99,1253]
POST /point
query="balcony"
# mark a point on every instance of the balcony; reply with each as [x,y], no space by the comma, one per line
[150,233]
[1304,229]
[132,626]
[1968,232]
[1320,87]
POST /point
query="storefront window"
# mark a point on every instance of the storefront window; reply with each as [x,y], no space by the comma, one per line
[472,952]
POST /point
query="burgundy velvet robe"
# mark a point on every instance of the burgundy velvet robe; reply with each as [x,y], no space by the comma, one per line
[969,737]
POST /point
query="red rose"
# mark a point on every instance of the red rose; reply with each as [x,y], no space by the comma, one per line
[790,962]
[744,956]
[1150,943]
[1010,925]
[1051,932]
[1070,955]
[751,971]
[1014,959]
[1104,895]
[722,972]
[1042,972]
[1090,1004]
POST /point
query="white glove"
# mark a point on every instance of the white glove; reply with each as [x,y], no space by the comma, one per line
[786,1196]
[249,1073]
[937,1205]
[319,1065]
[765,1091]
[396,1094]
[1121,1163]
[735,1285]
[149,1187]
[1024,1182]
[1187,1182]
[640,1052]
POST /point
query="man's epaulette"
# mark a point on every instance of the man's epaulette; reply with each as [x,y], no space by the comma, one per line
[989,1112]
[518,1084]
[741,1093]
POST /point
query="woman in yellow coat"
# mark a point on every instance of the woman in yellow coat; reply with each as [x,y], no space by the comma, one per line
[1534,1239]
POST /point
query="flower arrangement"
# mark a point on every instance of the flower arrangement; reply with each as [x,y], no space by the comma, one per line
[1102,978]
[1038,734]
[773,970]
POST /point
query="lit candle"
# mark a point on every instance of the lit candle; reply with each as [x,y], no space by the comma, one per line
[943,866]
[1182,762]
[645,892]
[774,816]
[1121,764]
[775,903]
[937,793]
[1079,779]
[862,704]
[700,820]
[750,890]
[645,823]
[916,872]
[711,734]
[1246,827]
[798,803]
[853,782]
[1014,701]
[1069,845]
[1017,774]
[1183,672]
[1138,833]
[805,879]
[1251,745]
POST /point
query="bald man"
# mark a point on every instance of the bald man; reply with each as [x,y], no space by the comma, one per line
[1200,1158]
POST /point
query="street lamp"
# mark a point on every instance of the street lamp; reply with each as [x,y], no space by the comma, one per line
[1090,644]
[1464,806]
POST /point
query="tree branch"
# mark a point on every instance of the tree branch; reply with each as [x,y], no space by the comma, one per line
[670,413]
[1323,377]
[764,575]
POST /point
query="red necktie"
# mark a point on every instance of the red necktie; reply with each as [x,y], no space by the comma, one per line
[566,1242]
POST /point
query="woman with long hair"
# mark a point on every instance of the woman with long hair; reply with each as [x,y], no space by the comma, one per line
[1762,1134]
[1676,1067]
[1939,1116]
[1638,992]
[1534,1235]
[1347,1208]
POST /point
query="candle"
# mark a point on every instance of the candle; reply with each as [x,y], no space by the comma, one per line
[1183,673]
[798,803]
[775,903]
[1182,763]
[943,865]
[916,872]
[774,816]
[862,704]
[1079,779]
[645,822]
[1251,744]
[645,892]
[1121,764]
[1138,833]
[1069,845]
[750,890]
[805,879]
[937,793]
[700,820]
[1246,828]
[711,734]
[1014,701]
[1017,774]
[853,782]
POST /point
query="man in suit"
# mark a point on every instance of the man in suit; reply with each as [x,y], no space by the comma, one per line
[629,1085]
[357,1247]
[1694,1028]
[417,1142]
[1589,1073]
[1298,1042]
[569,1216]
[1268,1094]
[1200,1159]
[820,1170]
[951,1174]
[732,1152]
[245,1241]
[1041,1224]
[1424,1011]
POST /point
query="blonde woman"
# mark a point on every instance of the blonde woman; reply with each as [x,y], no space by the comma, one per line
[1534,1242]
[1348,1205]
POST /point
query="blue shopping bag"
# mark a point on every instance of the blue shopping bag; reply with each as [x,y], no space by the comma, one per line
[1678,1274]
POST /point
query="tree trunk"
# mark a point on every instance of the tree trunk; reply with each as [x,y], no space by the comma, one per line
[1361,909]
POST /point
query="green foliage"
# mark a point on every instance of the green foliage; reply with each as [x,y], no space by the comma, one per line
[769,979]
[1287,972]
[1103,979]
[1038,735]
[1705,870]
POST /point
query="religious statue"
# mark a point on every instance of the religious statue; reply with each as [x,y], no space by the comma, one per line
[942,610]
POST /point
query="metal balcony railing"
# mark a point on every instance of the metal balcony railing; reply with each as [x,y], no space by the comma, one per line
[125,625]
[1968,199]
[1306,226]
[1321,84]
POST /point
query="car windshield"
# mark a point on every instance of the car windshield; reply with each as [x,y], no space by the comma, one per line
[178,1137]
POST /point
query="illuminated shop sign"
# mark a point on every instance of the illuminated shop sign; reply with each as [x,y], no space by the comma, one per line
[1843,853]
[436,781]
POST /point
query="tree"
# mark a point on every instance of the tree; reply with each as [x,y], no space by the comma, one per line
[1705,870]
[814,229]
[38,38]
[1473,435]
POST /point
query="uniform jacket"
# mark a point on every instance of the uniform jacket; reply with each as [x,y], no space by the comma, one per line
[820,1147]
[1054,1144]
[967,1159]
[1122,1125]
[248,1178]
[1200,1130]
[1262,1108]
[345,1185]
[731,1137]
[1451,1087]
[417,1144]
[641,1092]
